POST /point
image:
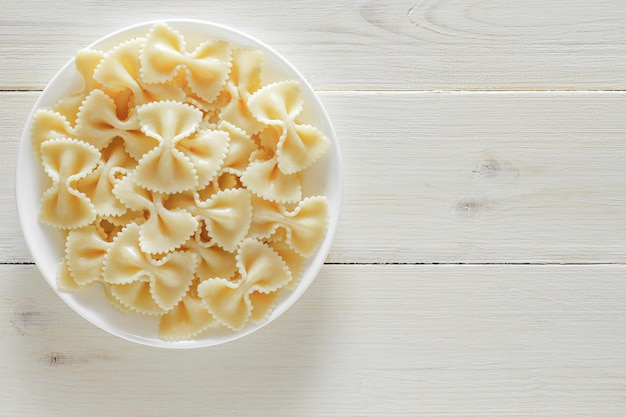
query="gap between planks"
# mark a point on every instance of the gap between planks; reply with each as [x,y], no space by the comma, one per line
[413,91]
[437,263]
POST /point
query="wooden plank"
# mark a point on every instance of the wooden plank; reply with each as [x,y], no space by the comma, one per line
[359,44]
[15,110]
[453,177]
[483,177]
[364,340]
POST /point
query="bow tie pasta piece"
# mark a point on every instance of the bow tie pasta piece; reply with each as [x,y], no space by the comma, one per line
[265,179]
[206,151]
[305,226]
[262,273]
[299,145]
[165,168]
[245,75]
[240,149]
[84,253]
[263,304]
[168,120]
[295,261]
[66,161]
[213,261]
[86,62]
[49,125]
[98,185]
[245,79]
[207,67]
[133,297]
[169,278]
[227,215]
[65,281]
[164,230]
[119,70]
[98,123]
[188,319]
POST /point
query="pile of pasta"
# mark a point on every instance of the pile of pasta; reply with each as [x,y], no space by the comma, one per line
[176,179]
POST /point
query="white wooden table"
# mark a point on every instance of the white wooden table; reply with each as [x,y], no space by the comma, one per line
[480,263]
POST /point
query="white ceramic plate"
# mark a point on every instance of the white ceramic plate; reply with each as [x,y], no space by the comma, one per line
[46,244]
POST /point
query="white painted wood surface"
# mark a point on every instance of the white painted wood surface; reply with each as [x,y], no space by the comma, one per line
[360,44]
[480,263]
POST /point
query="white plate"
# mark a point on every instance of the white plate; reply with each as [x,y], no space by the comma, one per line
[46,244]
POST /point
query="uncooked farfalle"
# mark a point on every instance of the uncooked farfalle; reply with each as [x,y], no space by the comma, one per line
[119,71]
[262,272]
[184,158]
[206,150]
[298,145]
[177,182]
[98,123]
[98,185]
[264,178]
[304,226]
[244,80]
[84,253]
[86,62]
[213,261]
[163,229]
[241,147]
[66,161]
[48,125]
[168,277]
[295,261]
[187,319]
[227,215]
[164,53]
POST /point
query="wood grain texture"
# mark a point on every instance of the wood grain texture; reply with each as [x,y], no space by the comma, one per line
[363,341]
[454,177]
[358,44]
[480,264]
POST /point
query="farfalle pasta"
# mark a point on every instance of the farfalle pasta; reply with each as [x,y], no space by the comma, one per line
[175,177]
[66,161]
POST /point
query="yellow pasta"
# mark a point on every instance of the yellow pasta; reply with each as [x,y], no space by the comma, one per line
[213,260]
[240,149]
[84,252]
[245,79]
[176,181]
[188,319]
[304,227]
[163,230]
[165,168]
[169,278]
[119,70]
[66,161]
[65,280]
[98,123]
[265,179]
[262,271]
[86,62]
[227,215]
[206,150]
[98,184]
[207,67]
[49,125]
[299,145]
[134,297]
[295,261]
